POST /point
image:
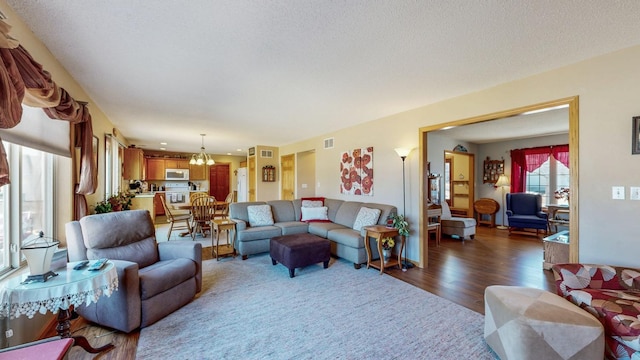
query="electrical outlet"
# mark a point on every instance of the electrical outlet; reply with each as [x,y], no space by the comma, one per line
[634,193]
[617,192]
[8,333]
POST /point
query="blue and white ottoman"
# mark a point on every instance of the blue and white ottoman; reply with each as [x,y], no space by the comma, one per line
[525,323]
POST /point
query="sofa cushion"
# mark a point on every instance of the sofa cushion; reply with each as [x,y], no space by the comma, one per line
[165,275]
[346,214]
[333,205]
[282,210]
[315,213]
[143,252]
[259,233]
[366,217]
[260,215]
[292,227]
[322,228]
[348,237]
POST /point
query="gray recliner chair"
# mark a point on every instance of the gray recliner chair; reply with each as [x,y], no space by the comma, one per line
[155,279]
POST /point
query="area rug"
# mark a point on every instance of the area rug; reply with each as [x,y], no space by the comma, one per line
[253,310]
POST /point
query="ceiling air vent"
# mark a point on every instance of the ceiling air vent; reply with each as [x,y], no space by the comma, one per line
[328,143]
[266,153]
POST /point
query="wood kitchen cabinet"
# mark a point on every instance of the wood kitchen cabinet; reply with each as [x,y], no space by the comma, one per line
[198,172]
[176,164]
[133,165]
[155,169]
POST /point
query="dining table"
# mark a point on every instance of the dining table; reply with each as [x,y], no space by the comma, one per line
[188,207]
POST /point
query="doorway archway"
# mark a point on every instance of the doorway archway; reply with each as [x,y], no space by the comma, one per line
[572,103]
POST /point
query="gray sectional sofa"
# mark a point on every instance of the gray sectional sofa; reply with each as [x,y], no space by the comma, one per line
[346,242]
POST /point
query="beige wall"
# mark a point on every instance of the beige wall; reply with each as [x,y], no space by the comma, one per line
[267,190]
[305,174]
[605,86]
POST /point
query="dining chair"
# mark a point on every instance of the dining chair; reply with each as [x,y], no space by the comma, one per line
[222,209]
[178,222]
[202,211]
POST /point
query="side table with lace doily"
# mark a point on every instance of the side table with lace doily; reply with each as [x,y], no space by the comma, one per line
[57,295]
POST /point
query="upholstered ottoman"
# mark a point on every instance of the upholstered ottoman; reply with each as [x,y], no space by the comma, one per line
[526,323]
[299,250]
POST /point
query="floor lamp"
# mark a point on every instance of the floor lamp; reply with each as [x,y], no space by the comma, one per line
[403,153]
[503,182]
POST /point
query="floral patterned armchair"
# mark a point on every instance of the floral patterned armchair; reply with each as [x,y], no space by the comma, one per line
[612,295]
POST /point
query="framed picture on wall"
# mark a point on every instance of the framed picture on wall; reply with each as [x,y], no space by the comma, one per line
[635,140]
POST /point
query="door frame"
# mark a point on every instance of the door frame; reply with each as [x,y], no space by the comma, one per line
[572,102]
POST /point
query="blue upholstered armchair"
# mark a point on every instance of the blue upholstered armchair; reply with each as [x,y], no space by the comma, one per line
[524,211]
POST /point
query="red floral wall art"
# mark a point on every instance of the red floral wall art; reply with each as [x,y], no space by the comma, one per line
[356,172]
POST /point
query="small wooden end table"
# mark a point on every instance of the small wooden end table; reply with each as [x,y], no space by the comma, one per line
[380,232]
[220,225]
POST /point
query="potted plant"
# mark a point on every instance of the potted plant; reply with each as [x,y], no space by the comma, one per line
[401,224]
[387,245]
[118,202]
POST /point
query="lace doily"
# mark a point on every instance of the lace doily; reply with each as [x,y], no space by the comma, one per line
[59,293]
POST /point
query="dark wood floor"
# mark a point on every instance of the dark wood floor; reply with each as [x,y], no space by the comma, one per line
[458,271]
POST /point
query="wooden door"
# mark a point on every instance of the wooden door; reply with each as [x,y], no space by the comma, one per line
[252,178]
[288,177]
[219,181]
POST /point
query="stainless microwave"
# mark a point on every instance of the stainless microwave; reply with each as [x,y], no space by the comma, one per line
[176,174]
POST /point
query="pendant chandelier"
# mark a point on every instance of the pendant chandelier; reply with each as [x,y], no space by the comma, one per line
[201,158]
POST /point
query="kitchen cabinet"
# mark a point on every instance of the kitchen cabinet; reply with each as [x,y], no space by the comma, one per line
[176,164]
[133,164]
[155,169]
[198,172]
[157,204]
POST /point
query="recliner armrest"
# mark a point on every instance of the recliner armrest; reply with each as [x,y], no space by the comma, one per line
[509,213]
[183,249]
[542,214]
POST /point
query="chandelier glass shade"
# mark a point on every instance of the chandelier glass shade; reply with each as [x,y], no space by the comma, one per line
[202,158]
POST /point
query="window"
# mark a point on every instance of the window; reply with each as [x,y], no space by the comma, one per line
[546,179]
[26,205]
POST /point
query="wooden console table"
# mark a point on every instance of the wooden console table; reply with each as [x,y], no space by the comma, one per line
[379,232]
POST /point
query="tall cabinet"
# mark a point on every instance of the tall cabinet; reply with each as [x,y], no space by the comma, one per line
[461,185]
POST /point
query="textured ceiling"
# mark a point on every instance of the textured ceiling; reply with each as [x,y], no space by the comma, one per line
[276,72]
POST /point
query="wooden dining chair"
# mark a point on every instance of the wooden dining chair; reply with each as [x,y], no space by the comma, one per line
[178,221]
[202,212]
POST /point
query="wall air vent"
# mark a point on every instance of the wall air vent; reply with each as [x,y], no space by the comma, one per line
[266,153]
[328,143]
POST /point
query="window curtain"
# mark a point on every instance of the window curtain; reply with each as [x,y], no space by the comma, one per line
[561,153]
[530,159]
[22,79]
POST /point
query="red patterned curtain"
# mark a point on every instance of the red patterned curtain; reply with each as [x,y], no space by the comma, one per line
[528,160]
[23,80]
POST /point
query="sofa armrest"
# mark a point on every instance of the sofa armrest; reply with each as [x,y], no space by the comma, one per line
[509,213]
[184,249]
[240,224]
[542,214]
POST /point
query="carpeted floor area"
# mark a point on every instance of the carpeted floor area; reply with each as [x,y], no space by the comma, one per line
[253,310]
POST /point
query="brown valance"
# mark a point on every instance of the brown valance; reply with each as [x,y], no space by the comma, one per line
[24,80]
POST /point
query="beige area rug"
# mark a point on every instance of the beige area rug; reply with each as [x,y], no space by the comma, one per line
[252,310]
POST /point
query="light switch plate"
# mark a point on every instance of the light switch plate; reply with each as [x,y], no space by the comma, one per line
[617,192]
[634,193]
